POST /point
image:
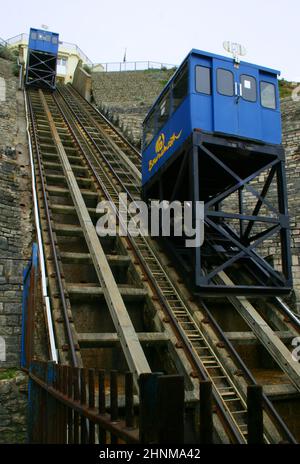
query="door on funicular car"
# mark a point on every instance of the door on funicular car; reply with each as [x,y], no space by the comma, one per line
[235,97]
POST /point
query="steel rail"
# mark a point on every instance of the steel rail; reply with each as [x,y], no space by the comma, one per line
[266,402]
[52,344]
[112,126]
[52,241]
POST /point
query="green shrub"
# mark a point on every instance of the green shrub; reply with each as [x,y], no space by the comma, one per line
[6,54]
[87,68]
[8,374]
[15,69]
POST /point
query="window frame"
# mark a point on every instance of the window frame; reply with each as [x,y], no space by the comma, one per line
[233,81]
[275,95]
[256,93]
[183,71]
[167,98]
[154,115]
[210,80]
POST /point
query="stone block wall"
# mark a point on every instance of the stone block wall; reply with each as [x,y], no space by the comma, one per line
[16,232]
[13,408]
[126,97]
[291,141]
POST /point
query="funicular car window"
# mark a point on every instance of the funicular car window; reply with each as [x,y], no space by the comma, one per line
[54,39]
[34,35]
[203,80]
[249,90]
[48,38]
[268,95]
[180,88]
[163,111]
[225,82]
[149,129]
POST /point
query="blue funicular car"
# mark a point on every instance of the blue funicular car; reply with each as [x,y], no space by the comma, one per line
[213,131]
[42,59]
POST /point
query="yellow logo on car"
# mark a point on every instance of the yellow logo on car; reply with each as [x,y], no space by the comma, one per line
[161,147]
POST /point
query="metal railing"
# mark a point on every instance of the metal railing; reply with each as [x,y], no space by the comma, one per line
[3,43]
[133,66]
[17,38]
[74,48]
[78,405]
[23,38]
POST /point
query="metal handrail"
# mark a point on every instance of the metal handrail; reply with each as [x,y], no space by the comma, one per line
[68,45]
[133,66]
[3,43]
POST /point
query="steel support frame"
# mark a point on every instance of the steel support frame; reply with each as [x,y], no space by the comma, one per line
[269,281]
[43,71]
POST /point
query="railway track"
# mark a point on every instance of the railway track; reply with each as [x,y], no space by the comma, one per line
[80,159]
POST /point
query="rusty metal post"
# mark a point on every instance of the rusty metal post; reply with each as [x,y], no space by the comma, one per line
[170,411]
[83,402]
[70,437]
[76,398]
[148,407]
[35,418]
[206,415]
[129,413]
[51,406]
[255,415]
[101,405]
[114,412]
[91,404]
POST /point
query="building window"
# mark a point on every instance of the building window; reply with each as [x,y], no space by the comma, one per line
[268,95]
[225,82]
[180,87]
[62,62]
[203,80]
[61,66]
[249,90]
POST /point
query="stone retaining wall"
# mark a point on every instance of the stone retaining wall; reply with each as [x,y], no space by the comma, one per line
[126,97]
[15,250]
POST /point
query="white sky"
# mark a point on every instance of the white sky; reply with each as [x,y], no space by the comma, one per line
[166,30]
